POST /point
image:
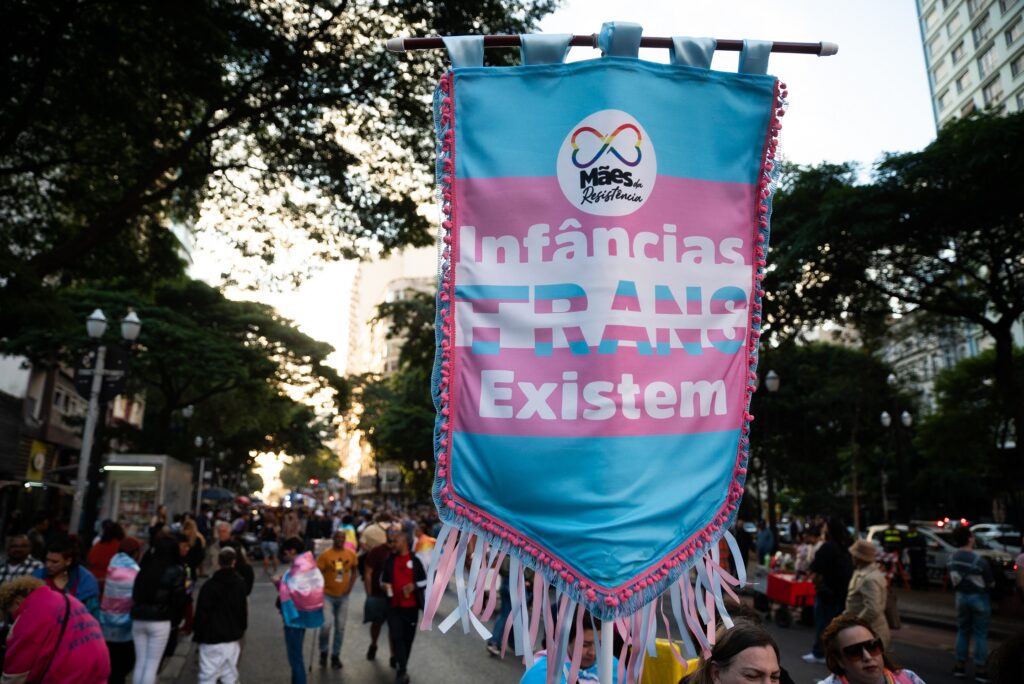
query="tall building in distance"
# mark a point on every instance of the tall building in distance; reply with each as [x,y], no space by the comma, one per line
[974,50]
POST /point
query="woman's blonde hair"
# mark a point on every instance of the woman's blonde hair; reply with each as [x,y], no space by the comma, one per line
[191,530]
[17,589]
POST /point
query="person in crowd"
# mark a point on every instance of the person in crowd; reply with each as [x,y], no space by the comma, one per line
[375,533]
[743,539]
[403,579]
[196,546]
[375,607]
[805,551]
[744,654]
[831,570]
[971,578]
[351,538]
[224,539]
[53,638]
[338,564]
[158,603]
[116,606]
[538,672]
[301,602]
[19,560]
[63,573]
[220,621]
[765,542]
[505,596]
[865,598]
[269,547]
[424,547]
[102,551]
[291,527]
[158,522]
[856,654]
[37,535]
[917,557]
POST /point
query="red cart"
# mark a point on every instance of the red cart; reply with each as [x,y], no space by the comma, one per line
[789,592]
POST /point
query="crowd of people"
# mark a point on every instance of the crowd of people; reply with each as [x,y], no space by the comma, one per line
[115,609]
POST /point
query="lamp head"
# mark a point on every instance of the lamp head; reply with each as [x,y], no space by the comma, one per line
[906,419]
[771,381]
[96,324]
[130,326]
[886,419]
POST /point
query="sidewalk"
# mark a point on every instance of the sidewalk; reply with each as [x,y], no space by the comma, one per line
[936,608]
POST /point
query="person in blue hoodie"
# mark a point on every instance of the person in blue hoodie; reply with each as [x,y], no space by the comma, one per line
[62,573]
[301,602]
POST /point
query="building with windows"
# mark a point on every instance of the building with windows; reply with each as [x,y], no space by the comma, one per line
[974,51]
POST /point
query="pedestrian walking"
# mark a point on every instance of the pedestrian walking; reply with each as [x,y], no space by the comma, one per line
[375,608]
[338,565]
[765,543]
[103,550]
[220,621]
[19,560]
[158,602]
[866,596]
[54,638]
[404,579]
[269,547]
[116,606]
[971,579]
[301,602]
[831,570]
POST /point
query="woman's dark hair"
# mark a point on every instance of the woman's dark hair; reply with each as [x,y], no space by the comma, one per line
[837,531]
[729,643]
[111,531]
[293,544]
[65,546]
[830,642]
[961,535]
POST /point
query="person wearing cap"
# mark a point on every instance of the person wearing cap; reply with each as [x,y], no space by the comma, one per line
[116,606]
[865,598]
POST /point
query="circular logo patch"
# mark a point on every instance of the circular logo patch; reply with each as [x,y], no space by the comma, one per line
[606,164]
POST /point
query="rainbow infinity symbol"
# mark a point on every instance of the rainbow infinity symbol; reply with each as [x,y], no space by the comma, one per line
[606,145]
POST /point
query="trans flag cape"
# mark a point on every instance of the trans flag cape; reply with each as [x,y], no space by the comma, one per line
[605,226]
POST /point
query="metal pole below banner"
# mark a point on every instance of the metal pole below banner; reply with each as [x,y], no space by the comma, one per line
[199,487]
[604,663]
[91,418]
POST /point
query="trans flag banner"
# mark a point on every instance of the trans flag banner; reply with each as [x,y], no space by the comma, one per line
[603,244]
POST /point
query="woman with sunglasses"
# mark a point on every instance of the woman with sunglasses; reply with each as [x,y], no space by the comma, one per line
[855,655]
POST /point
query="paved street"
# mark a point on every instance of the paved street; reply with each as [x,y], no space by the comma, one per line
[456,658]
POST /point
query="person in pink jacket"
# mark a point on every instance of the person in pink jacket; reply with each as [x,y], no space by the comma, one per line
[54,638]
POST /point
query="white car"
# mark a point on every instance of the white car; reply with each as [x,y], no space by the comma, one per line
[939,547]
[999,536]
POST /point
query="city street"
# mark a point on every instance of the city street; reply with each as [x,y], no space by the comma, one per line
[455,658]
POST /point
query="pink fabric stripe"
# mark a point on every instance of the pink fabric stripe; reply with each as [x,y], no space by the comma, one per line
[644,369]
[577,648]
[492,600]
[668,633]
[444,573]
[695,207]
[538,607]
[112,604]
[481,580]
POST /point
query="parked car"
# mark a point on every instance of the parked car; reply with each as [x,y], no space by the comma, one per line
[939,547]
[999,536]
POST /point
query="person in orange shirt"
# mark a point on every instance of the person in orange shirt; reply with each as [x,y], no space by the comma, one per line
[338,565]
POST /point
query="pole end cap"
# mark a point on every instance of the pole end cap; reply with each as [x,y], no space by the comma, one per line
[827,49]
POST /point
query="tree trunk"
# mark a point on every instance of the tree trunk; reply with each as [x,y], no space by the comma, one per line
[1006,380]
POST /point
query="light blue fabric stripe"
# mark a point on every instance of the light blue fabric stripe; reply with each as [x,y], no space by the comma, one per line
[465,51]
[693,52]
[620,39]
[754,56]
[637,496]
[544,48]
[502,292]
[512,121]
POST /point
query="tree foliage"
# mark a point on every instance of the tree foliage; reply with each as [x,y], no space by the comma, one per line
[965,461]
[396,410]
[940,231]
[288,118]
[320,465]
[253,379]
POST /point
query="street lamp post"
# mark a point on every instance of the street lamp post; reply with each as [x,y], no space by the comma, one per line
[96,325]
[771,383]
[906,419]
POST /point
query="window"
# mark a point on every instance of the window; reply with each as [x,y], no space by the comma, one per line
[992,93]
[1007,5]
[1020,101]
[967,108]
[1017,65]
[934,45]
[1015,31]
[929,19]
[972,7]
[987,62]
[957,53]
[939,71]
[953,25]
[942,100]
[963,82]
[982,31]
